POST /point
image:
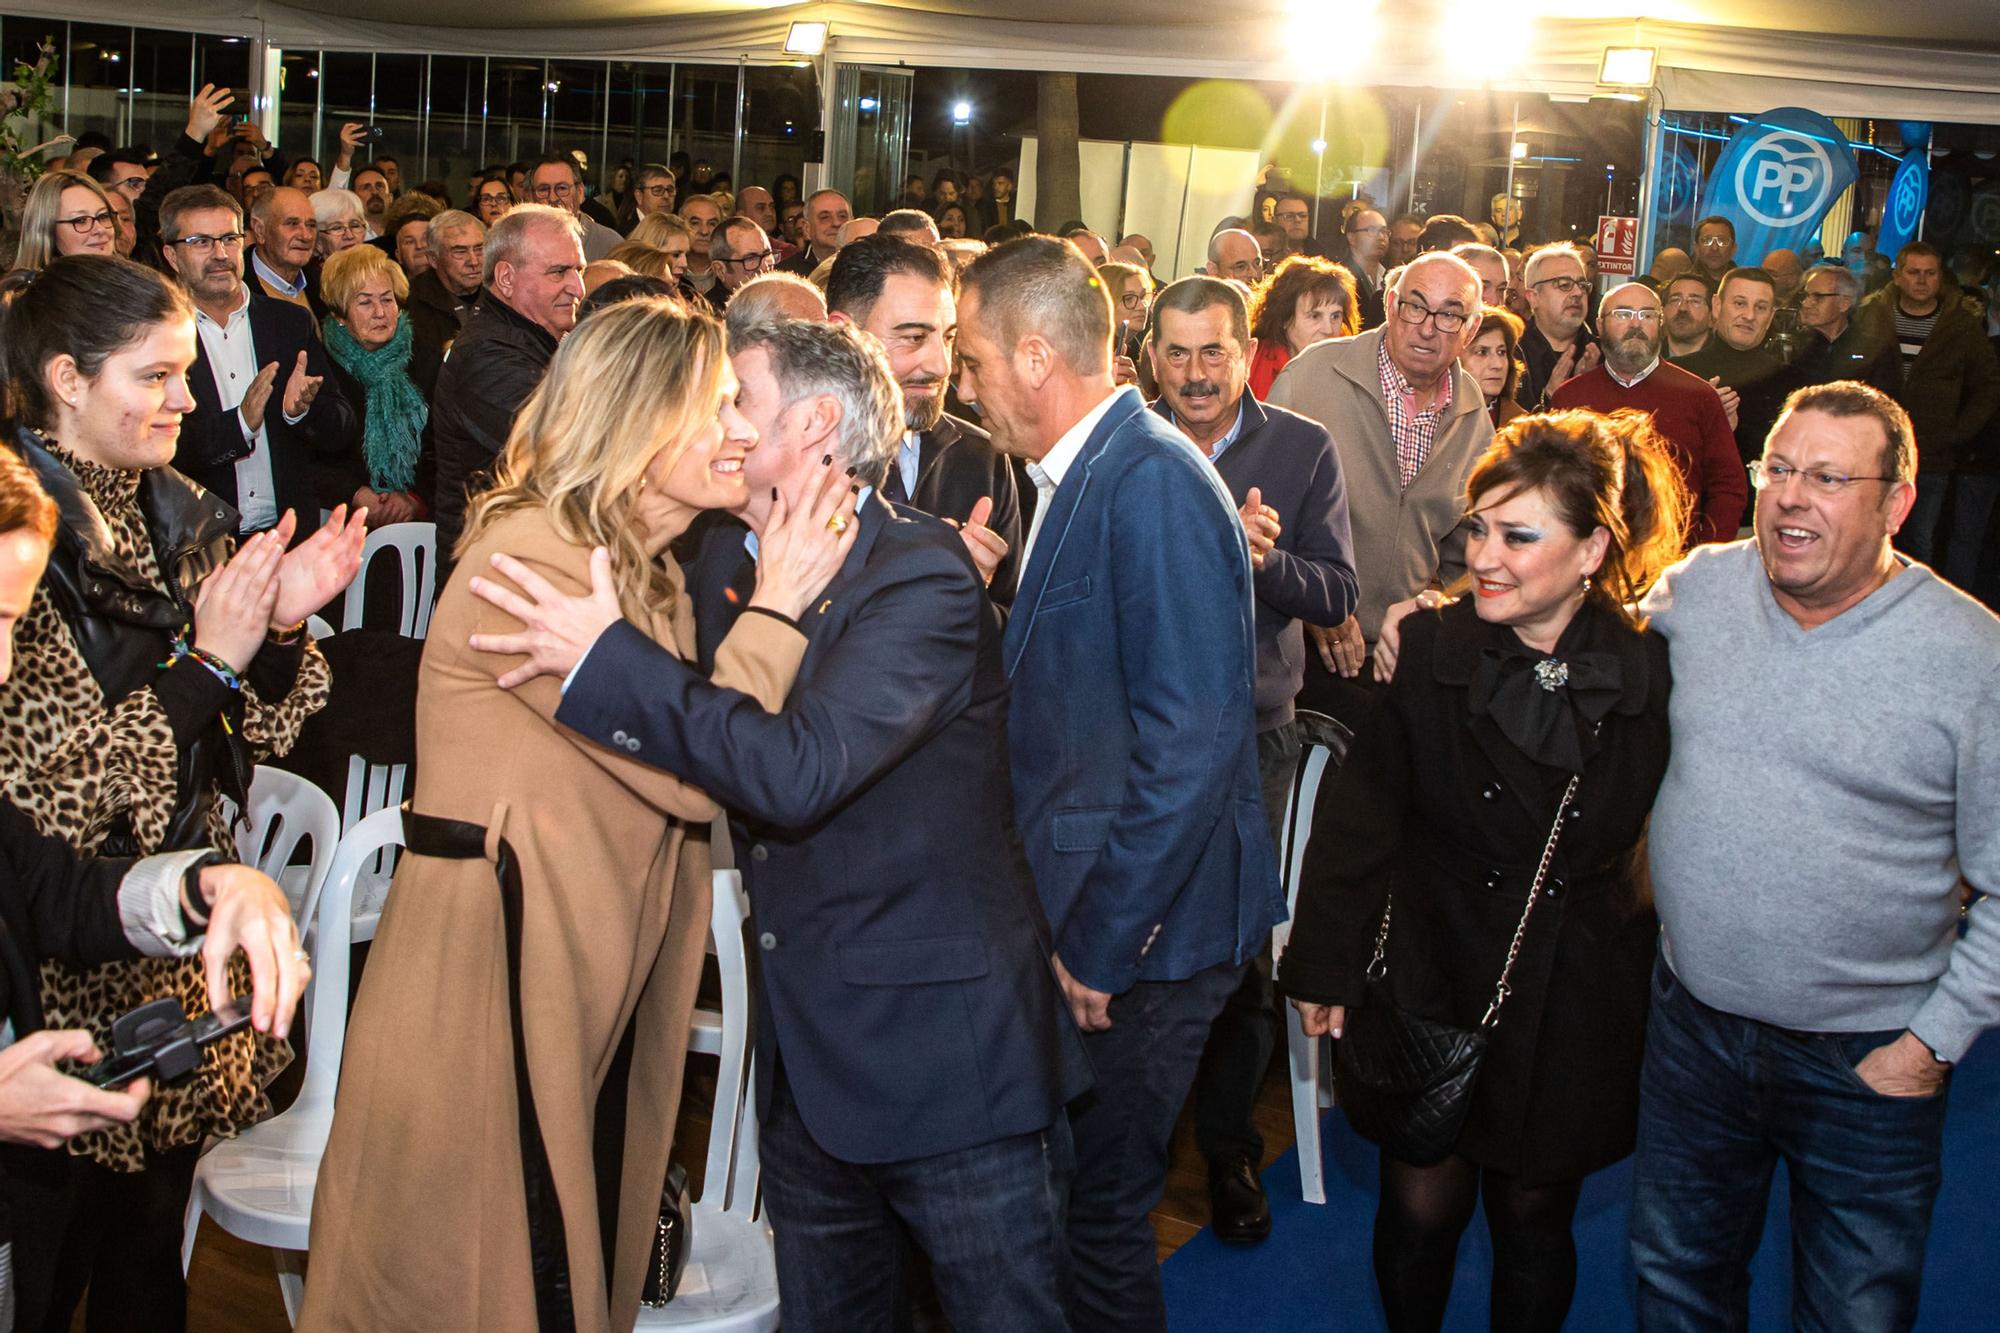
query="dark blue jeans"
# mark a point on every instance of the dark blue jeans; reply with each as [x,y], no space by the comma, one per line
[1722,1099]
[990,1219]
[1144,1064]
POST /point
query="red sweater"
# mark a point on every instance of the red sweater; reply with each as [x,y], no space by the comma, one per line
[1688,413]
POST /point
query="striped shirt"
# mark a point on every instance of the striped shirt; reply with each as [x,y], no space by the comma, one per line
[1913,331]
[1413,431]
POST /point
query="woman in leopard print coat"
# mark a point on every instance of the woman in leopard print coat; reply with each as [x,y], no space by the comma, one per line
[136,701]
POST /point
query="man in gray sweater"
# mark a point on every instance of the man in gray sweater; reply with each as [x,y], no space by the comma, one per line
[1835,772]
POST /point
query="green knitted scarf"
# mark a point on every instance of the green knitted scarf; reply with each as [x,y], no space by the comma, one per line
[393,430]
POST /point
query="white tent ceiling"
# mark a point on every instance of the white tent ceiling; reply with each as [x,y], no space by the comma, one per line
[1937,60]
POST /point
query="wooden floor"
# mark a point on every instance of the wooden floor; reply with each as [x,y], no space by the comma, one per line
[232,1287]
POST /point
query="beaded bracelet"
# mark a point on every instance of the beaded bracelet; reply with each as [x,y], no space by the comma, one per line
[223,671]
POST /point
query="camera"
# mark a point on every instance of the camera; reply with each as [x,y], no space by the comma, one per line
[158,1040]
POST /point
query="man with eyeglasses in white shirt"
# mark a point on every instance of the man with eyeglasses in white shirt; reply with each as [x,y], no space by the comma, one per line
[1558,342]
[264,413]
[654,190]
[554,180]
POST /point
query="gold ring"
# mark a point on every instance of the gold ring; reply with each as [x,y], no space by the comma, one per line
[837,524]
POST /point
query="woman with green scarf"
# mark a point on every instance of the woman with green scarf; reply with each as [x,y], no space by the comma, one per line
[387,374]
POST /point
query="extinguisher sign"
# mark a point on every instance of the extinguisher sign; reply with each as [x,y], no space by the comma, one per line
[1617,246]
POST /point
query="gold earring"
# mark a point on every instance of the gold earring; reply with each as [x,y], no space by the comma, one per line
[1586,585]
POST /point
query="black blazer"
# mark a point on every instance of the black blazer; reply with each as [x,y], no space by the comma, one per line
[1436,805]
[902,963]
[956,465]
[304,455]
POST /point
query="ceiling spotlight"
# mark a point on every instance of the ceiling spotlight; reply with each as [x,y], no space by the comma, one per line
[1628,66]
[1318,146]
[1519,150]
[805,39]
[868,104]
[961,113]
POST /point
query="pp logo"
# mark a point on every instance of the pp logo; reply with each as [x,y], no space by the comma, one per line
[1985,217]
[1783,178]
[1906,202]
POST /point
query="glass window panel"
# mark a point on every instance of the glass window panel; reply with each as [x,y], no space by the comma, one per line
[344,92]
[705,122]
[298,101]
[225,62]
[399,100]
[514,96]
[161,63]
[576,90]
[780,109]
[98,56]
[458,91]
[642,110]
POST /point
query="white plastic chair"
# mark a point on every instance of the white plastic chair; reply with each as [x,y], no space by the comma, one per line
[1310,1057]
[286,810]
[372,787]
[415,545]
[259,1185]
[731,1281]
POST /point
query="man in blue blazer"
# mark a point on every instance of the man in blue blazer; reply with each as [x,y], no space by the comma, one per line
[914,1054]
[1131,649]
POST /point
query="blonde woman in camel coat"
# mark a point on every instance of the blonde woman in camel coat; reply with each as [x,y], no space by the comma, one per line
[424,1217]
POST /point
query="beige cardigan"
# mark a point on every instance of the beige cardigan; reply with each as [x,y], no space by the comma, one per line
[1402,539]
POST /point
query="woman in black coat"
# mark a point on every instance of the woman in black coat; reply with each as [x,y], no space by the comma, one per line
[1444,806]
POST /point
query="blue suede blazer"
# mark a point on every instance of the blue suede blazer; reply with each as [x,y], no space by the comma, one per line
[902,963]
[1132,652]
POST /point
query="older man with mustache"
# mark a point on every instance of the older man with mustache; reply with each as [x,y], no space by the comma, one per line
[1685,410]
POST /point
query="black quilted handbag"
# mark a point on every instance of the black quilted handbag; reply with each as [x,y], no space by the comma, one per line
[1405,1081]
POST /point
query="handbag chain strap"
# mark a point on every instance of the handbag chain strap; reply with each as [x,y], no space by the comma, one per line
[1378,968]
[1503,990]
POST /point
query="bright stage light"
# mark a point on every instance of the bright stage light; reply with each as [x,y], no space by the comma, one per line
[961,113]
[1471,43]
[1628,66]
[1318,146]
[805,39]
[1326,42]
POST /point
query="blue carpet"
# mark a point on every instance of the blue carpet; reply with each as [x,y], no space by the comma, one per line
[1313,1274]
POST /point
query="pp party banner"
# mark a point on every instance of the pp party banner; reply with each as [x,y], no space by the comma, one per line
[1676,186]
[1777,177]
[1903,214]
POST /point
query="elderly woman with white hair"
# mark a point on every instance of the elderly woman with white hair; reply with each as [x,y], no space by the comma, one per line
[343,223]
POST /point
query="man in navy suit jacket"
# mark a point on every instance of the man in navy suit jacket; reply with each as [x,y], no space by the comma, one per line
[1284,476]
[1132,653]
[913,1050]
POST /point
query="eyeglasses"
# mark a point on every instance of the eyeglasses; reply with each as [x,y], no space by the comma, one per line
[1368,231]
[495,197]
[1291,217]
[1716,241]
[1687,300]
[559,190]
[342,228]
[1133,300]
[1764,475]
[1566,286]
[1412,311]
[761,260]
[1819,296]
[86,223]
[201,245]
[1650,315]
[657,191]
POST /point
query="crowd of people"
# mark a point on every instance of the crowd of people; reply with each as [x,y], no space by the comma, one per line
[988,591]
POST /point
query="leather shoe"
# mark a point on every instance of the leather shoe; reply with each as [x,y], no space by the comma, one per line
[1237,1208]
